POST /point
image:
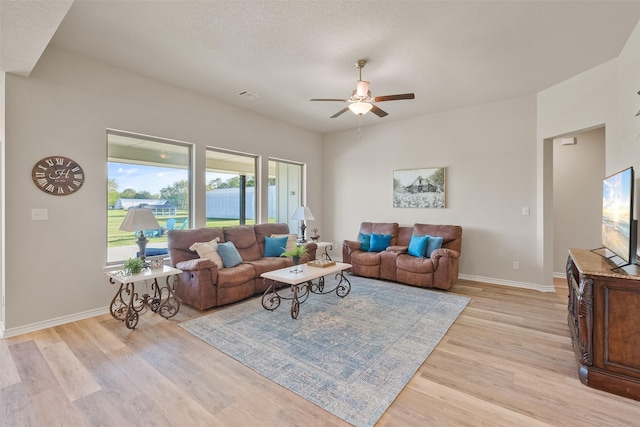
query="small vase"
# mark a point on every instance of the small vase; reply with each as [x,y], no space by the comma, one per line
[296,260]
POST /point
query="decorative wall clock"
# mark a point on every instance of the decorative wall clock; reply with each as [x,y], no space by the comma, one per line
[57,175]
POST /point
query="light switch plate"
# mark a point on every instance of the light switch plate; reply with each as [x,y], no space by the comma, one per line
[39,214]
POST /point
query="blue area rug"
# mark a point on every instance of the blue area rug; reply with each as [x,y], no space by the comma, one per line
[349,356]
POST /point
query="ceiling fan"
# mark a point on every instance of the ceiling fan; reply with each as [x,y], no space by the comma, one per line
[361,101]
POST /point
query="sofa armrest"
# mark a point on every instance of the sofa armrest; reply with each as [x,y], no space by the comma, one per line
[398,249]
[195,264]
[438,253]
[352,245]
[349,246]
[312,248]
[443,252]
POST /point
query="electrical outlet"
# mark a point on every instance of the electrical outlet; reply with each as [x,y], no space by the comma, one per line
[525,211]
[516,265]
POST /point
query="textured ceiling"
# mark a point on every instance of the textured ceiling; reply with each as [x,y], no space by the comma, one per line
[450,54]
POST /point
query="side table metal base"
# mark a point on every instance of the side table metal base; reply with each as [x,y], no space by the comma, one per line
[126,305]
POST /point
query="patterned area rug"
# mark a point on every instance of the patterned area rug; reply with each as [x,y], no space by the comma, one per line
[349,356]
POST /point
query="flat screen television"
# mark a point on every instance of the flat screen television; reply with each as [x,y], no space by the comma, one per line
[618,225]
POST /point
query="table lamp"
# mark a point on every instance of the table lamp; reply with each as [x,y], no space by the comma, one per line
[140,219]
[301,213]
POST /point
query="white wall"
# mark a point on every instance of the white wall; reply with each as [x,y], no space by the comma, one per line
[605,95]
[489,155]
[54,267]
[578,171]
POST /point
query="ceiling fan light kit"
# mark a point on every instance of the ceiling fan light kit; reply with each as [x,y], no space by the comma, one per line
[361,101]
[360,108]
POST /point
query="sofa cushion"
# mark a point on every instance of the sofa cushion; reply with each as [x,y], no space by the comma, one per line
[435,242]
[365,241]
[379,242]
[452,234]
[208,250]
[229,254]
[418,246]
[365,258]
[236,276]
[413,264]
[179,241]
[245,240]
[268,264]
[291,240]
[274,246]
[383,228]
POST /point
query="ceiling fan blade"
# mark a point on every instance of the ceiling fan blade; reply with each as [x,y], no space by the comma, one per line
[329,99]
[394,97]
[344,110]
[378,112]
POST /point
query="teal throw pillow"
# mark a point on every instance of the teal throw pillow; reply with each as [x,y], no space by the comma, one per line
[229,254]
[379,242]
[418,246]
[274,246]
[365,242]
[434,243]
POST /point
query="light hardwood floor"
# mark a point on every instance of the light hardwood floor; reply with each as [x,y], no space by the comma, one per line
[506,361]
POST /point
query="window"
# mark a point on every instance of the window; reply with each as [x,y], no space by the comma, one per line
[285,183]
[145,172]
[231,188]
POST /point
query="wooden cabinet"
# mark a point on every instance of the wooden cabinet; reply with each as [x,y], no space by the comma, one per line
[604,320]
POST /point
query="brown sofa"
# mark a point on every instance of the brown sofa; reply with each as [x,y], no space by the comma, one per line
[394,263]
[203,285]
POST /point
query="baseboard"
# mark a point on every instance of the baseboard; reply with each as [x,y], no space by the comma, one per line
[560,275]
[13,332]
[7,333]
[523,285]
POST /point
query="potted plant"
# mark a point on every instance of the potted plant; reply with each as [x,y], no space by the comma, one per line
[295,253]
[133,266]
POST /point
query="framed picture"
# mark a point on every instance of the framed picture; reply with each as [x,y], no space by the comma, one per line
[155,262]
[419,188]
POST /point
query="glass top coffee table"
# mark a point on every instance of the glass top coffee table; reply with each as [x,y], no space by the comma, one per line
[300,278]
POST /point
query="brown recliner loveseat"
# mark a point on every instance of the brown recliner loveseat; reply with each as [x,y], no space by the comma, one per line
[439,270]
[203,284]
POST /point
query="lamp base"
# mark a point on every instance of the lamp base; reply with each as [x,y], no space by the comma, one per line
[303,227]
[142,246]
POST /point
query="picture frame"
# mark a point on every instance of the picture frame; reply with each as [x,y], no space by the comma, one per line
[155,262]
[419,188]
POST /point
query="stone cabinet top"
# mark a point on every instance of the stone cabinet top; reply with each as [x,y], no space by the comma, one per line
[591,262]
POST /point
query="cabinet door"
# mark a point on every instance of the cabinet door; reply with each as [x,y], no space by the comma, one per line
[620,331]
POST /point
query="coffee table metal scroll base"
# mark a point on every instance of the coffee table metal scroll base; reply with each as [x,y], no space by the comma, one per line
[300,292]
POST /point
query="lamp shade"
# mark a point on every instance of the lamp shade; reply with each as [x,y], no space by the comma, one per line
[362,88]
[302,213]
[139,219]
[360,108]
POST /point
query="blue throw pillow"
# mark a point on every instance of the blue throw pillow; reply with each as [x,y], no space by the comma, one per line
[379,242]
[365,242]
[434,243]
[418,246]
[274,246]
[229,254]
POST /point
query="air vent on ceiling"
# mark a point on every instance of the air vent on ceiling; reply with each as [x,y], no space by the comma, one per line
[247,95]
